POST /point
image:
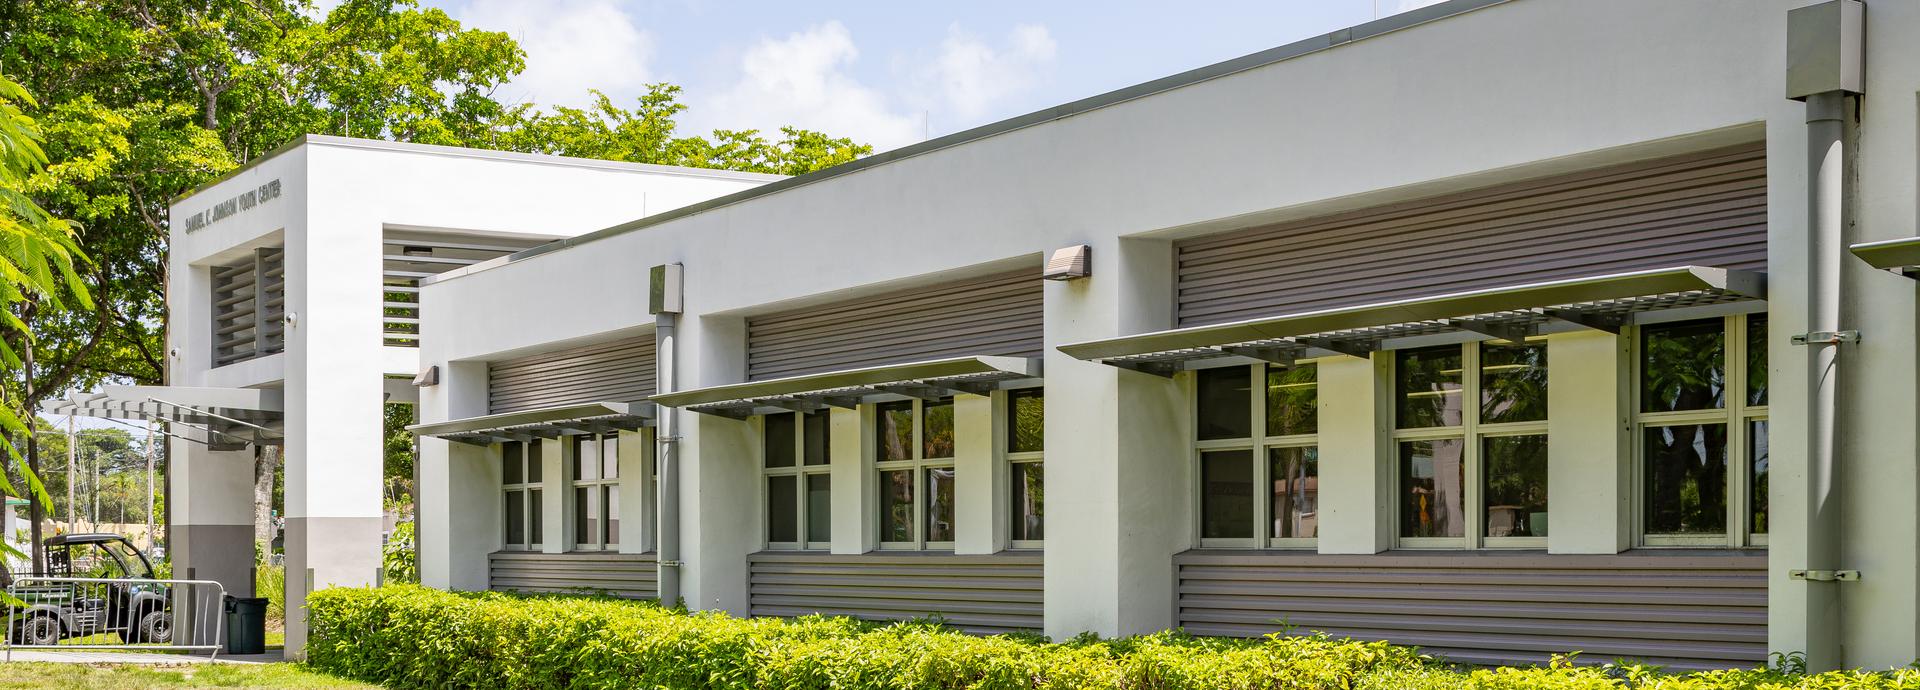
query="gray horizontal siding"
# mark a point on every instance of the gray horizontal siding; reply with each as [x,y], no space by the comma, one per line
[1705,209]
[628,575]
[992,315]
[1684,609]
[618,371]
[982,594]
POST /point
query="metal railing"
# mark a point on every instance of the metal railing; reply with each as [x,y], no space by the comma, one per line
[91,613]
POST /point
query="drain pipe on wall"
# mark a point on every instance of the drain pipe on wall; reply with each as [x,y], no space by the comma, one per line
[1824,70]
[663,300]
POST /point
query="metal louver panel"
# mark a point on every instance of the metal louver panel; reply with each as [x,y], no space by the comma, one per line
[994,315]
[618,371]
[249,299]
[625,575]
[984,594]
[1704,209]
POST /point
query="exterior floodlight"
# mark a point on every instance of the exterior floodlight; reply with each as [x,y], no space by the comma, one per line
[1068,263]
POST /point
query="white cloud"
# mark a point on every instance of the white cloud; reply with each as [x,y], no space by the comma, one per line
[972,77]
[572,46]
[1410,5]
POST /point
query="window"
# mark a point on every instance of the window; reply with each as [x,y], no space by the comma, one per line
[1252,436]
[1702,432]
[799,486]
[520,472]
[1470,441]
[596,492]
[1026,448]
[913,452]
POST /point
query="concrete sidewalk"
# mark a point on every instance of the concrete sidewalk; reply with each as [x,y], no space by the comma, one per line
[81,656]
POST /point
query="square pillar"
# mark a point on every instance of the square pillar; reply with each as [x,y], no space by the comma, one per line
[210,530]
[459,521]
[1356,457]
[854,495]
[637,521]
[1589,443]
[556,465]
[980,524]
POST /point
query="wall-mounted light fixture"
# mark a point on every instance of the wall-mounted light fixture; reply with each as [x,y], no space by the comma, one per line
[429,376]
[1068,263]
[664,285]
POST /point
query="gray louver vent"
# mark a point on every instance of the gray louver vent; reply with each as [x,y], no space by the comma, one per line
[618,371]
[993,315]
[249,300]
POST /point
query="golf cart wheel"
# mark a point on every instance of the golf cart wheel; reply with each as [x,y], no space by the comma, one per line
[42,629]
[155,626]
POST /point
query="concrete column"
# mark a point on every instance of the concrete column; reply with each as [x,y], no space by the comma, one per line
[1589,443]
[460,519]
[1356,457]
[977,474]
[636,492]
[211,511]
[719,473]
[853,482]
[556,524]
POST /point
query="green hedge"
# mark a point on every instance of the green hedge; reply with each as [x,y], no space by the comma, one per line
[411,637]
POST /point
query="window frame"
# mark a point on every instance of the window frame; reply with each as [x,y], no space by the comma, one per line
[603,487]
[918,465]
[535,539]
[1472,434]
[1258,444]
[1736,416]
[1003,442]
[800,471]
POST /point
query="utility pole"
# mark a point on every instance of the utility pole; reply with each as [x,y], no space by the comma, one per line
[73,449]
[150,540]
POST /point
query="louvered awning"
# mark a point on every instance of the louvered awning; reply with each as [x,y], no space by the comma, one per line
[231,417]
[545,422]
[1900,256]
[1603,302]
[849,387]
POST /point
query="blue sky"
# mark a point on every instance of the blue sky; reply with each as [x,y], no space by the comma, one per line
[884,73]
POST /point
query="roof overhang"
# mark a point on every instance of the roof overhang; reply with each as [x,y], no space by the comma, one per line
[546,422]
[231,417]
[848,388]
[1901,256]
[1604,302]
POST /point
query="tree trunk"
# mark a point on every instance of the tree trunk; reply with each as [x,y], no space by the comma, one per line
[266,460]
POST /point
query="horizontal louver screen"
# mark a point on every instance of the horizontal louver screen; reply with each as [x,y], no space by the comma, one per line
[995,315]
[619,371]
[1707,209]
[980,594]
[627,575]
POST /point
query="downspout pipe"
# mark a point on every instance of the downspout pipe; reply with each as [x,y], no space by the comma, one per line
[1828,151]
[667,434]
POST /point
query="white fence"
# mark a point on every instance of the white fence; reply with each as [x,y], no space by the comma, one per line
[88,613]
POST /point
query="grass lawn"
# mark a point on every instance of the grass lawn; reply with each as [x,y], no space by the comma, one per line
[127,677]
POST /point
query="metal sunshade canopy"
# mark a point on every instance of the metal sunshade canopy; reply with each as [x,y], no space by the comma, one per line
[546,422]
[1900,256]
[848,387]
[232,417]
[1604,302]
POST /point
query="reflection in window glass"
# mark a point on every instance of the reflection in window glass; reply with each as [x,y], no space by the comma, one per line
[1683,366]
[1686,479]
[1293,397]
[1513,383]
[536,529]
[896,505]
[814,438]
[1515,491]
[1757,359]
[511,463]
[1757,463]
[535,466]
[1427,387]
[782,511]
[1029,500]
[1432,479]
[1226,497]
[939,504]
[937,429]
[611,499]
[586,458]
[777,436]
[516,518]
[819,508]
[586,516]
[1026,421]
[1226,405]
[1295,473]
[893,428]
[610,456]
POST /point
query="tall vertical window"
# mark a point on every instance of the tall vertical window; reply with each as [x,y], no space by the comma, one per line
[520,476]
[1470,432]
[1702,426]
[1026,428]
[1257,426]
[799,484]
[595,477]
[913,449]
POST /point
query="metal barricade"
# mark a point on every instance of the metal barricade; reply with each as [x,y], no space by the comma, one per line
[88,613]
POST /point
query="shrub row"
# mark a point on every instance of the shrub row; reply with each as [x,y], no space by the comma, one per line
[405,636]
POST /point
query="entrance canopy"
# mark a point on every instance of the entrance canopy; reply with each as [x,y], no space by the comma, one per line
[849,387]
[1603,302]
[545,422]
[229,417]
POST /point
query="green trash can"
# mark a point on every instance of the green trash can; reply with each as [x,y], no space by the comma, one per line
[246,625]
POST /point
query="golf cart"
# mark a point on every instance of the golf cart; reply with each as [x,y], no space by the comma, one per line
[53,611]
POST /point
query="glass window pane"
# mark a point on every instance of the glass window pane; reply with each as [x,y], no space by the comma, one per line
[536,518]
[1426,384]
[1686,470]
[1226,405]
[1293,400]
[610,456]
[611,499]
[516,518]
[1226,494]
[1757,359]
[896,505]
[511,463]
[1295,473]
[535,464]
[1513,383]
[1026,421]
[586,458]
[1757,463]
[939,504]
[1515,491]
[814,439]
[586,516]
[1683,366]
[777,439]
[1432,482]
[783,509]
[1029,501]
[893,427]
[819,508]
[936,432]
